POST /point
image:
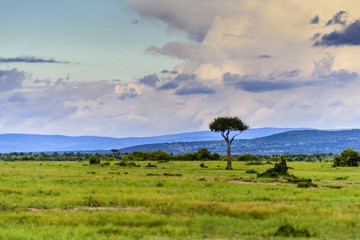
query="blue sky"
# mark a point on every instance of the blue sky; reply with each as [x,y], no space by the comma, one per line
[96,37]
[150,67]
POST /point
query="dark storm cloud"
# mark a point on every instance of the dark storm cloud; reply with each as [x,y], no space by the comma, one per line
[29,59]
[149,80]
[184,77]
[168,86]
[316,36]
[349,36]
[130,94]
[181,78]
[169,72]
[274,83]
[337,19]
[194,90]
[315,20]
[246,83]
[341,76]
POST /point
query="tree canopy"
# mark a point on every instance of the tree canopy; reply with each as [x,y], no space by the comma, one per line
[347,158]
[227,124]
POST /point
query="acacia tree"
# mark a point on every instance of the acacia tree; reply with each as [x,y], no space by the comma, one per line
[225,125]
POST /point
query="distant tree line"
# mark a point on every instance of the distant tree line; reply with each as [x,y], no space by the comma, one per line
[203,154]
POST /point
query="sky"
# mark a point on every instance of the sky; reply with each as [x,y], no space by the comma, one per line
[131,68]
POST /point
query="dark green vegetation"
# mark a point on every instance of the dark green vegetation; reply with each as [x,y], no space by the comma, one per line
[307,141]
[225,126]
[347,158]
[176,200]
[280,169]
[199,155]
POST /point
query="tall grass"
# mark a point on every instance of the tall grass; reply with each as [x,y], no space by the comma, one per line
[175,200]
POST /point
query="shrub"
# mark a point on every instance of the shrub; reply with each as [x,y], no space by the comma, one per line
[287,230]
[252,171]
[347,158]
[172,174]
[255,163]
[131,164]
[93,159]
[203,165]
[92,202]
[204,153]
[294,179]
[153,174]
[215,156]
[150,165]
[305,185]
[122,163]
[280,169]
[245,157]
[342,178]
[159,184]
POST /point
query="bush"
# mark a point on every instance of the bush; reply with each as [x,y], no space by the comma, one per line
[347,158]
[203,165]
[301,182]
[280,169]
[287,230]
[294,179]
[122,163]
[131,164]
[93,159]
[215,156]
[342,178]
[305,185]
[204,153]
[255,163]
[252,171]
[172,174]
[245,157]
[150,165]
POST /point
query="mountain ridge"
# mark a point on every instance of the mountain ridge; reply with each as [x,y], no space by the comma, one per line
[298,141]
[17,142]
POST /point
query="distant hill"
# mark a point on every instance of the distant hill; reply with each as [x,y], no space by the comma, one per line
[301,141]
[50,143]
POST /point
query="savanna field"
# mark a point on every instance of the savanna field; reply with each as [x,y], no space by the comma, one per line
[176,200]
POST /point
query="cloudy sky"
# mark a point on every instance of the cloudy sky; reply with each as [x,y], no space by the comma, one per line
[151,67]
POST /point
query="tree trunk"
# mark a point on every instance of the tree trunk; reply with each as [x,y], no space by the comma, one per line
[228,167]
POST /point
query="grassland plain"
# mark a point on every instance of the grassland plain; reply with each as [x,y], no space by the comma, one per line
[175,200]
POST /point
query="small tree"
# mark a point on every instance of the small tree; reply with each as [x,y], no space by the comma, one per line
[93,159]
[347,158]
[225,125]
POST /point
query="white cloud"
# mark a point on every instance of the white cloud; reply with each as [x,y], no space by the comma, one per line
[234,36]
[129,90]
[253,41]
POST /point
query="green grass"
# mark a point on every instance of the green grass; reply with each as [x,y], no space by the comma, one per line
[175,200]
